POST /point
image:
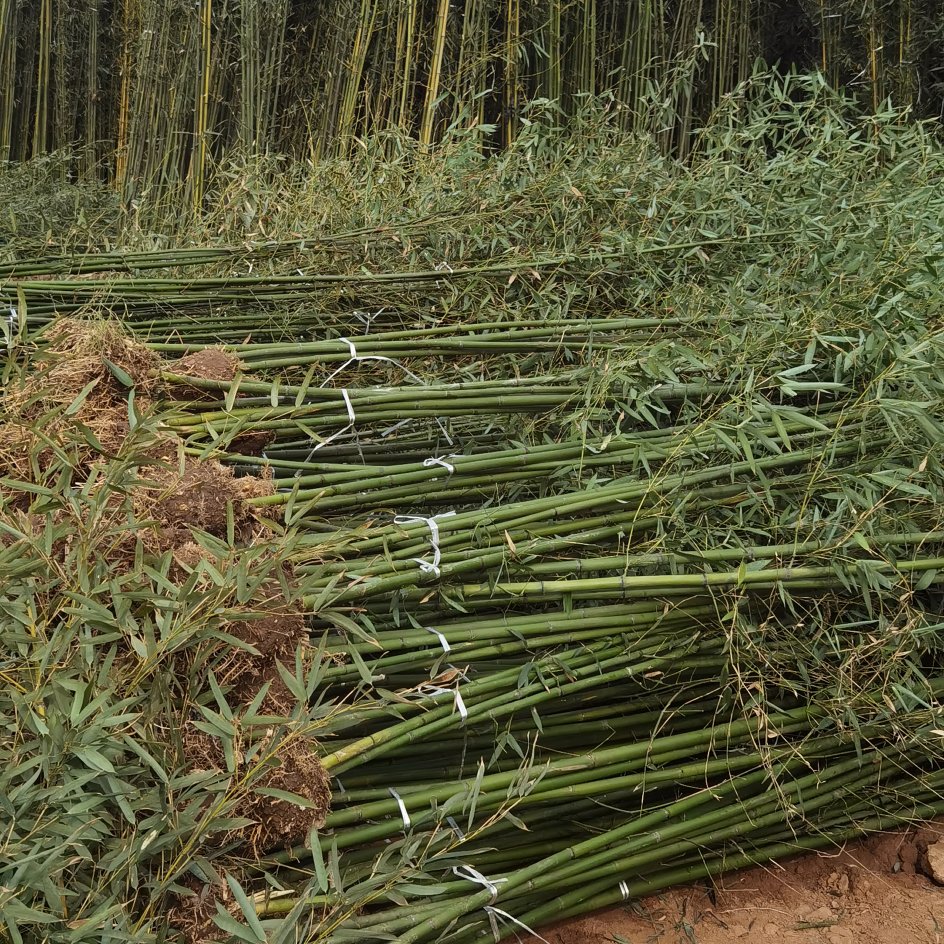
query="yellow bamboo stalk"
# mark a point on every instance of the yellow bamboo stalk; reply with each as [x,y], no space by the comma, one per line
[8,22]
[365,30]
[92,93]
[410,39]
[554,88]
[121,155]
[435,71]
[512,40]
[41,115]
[905,65]
[203,102]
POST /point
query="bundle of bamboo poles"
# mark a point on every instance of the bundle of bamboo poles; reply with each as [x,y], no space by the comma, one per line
[587,651]
[636,591]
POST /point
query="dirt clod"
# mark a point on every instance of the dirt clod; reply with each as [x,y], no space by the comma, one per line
[931,862]
[199,497]
[212,363]
[290,765]
[192,914]
[275,631]
[79,393]
[251,443]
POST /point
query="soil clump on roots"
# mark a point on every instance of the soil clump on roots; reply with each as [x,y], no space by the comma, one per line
[289,765]
[80,405]
[198,496]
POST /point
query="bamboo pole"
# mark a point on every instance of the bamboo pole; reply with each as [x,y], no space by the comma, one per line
[427,125]
[8,32]
[41,114]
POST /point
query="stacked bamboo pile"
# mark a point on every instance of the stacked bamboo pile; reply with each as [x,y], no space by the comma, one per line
[602,525]
[595,639]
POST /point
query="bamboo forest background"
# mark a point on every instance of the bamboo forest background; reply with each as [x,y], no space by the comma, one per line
[148,94]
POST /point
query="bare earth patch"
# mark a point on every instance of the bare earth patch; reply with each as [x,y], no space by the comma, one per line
[872,892]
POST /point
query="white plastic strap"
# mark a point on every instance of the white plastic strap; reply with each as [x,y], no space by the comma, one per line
[12,320]
[473,875]
[347,403]
[367,320]
[442,639]
[402,805]
[444,431]
[356,358]
[394,428]
[448,466]
[492,912]
[460,704]
[337,780]
[350,425]
[426,566]
[455,828]
[624,890]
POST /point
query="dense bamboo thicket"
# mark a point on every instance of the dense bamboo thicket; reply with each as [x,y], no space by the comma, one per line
[150,92]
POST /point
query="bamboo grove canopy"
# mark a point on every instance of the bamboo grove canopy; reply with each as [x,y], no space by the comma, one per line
[150,92]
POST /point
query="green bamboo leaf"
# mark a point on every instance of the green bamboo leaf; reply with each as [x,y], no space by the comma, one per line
[94,759]
[422,891]
[76,404]
[247,908]
[226,922]
[317,857]
[292,798]
[118,373]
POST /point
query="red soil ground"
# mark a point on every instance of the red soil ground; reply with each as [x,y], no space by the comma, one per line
[871,892]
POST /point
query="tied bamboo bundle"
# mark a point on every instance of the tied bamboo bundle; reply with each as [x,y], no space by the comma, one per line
[666,593]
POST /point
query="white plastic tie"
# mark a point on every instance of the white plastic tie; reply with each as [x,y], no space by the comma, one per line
[454,826]
[394,428]
[402,805]
[337,780]
[441,460]
[367,320]
[492,912]
[12,320]
[624,890]
[474,875]
[442,639]
[444,431]
[356,358]
[460,704]
[352,419]
[426,566]
[350,410]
